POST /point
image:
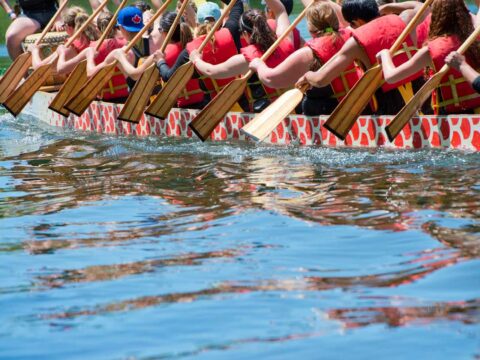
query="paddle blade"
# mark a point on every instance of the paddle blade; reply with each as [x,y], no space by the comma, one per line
[167,97]
[138,99]
[14,75]
[264,123]
[88,93]
[415,103]
[72,86]
[346,113]
[22,95]
[207,120]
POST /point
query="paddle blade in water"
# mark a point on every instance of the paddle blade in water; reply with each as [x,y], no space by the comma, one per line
[346,113]
[167,97]
[72,86]
[207,120]
[88,93]
[415,103]
[14,75]
[138,99]
[264,123]
[22,95]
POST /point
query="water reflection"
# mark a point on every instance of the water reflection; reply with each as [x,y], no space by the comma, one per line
[218,228]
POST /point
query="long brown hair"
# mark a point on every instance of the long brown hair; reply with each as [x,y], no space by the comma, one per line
[103,20]
[322,19]
[451,17]
[254,22]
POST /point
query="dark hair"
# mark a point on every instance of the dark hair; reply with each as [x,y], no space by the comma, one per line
[365,10]
[255,23]
[142,6]
[451,17]
[182,32]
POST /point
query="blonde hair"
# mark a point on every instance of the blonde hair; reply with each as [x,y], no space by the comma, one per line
[203,29]
[69,16]
[91,31]
[321,18]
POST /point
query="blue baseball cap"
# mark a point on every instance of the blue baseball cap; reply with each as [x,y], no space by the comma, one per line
[131,19]
[208,10]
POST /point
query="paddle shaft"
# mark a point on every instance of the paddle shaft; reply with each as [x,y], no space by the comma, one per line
[137,100]
[167,97]
[51,22]
[402,118]
[208,119]
[346,113]
[86,23]
[110,26]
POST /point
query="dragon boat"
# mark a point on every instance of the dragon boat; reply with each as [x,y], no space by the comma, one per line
[450,132]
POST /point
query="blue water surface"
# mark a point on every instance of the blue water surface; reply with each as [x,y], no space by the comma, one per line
[120,248]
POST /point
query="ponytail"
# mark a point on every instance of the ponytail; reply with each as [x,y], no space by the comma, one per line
[103,20]
[182,33]
[255,23]
[90,32]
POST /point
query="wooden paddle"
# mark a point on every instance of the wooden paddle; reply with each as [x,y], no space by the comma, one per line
[78,77]
[264,123]
[19,68]
[208,119]
[95,84]
[167,97]
[346,113]
[22,95]
[138,99]
[402,118]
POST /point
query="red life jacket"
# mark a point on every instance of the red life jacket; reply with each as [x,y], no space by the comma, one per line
[324,48]
[222,49]
[296,34]
[380,34]
[80,44]
[423,30]
[192,93]
[253,51]
[117,86]
[457,94]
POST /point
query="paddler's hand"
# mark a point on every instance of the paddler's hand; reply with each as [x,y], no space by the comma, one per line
[195,55]
[158,56]
[255,64]
[59,26]
[304,82]
[90,53]
[455,60]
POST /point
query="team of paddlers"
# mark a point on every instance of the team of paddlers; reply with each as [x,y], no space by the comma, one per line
[346,40]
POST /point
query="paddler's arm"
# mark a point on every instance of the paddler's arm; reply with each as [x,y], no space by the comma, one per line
[416,63]
[236,65]
[6,6]
[340,61]
[67,59]
[397,8]
[458,62]
[287,73]
[281,17]
[166,71]
[37,60]
[125,64]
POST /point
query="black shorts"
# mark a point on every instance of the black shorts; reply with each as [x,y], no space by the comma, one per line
[41,16]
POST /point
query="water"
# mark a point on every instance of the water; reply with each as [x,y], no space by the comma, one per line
[118,248]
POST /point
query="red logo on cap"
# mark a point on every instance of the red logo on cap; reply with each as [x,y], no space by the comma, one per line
[137,19]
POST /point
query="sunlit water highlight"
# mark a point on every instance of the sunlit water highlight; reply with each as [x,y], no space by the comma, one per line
[116,248]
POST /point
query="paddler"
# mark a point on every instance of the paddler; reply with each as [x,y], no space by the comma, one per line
[372,33]
[328,39]
[259,37]
[451,24]
[298,41]
[35,15]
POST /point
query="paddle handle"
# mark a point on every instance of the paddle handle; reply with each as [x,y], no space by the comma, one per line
[396,45]
[274,46]
[51,22]
[110,25]
[147,26]
[217,25]
[174,25]
[84,26]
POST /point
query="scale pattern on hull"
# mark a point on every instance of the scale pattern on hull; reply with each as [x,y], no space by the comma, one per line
[458,131]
